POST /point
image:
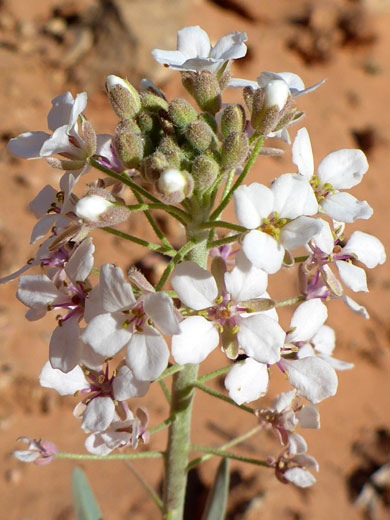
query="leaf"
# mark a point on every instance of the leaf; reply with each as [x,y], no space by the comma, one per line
[84,501]
[217,499]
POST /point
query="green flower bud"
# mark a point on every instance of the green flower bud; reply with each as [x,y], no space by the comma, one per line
[130,149]
[181,113]
[171,150]
[147,122]
[234,150]
[233,119]
[153,103]
[248,94]
[199,135]
[127,126]
[207,92]
[124,98]
[204,171]
[154,165]
[209,119]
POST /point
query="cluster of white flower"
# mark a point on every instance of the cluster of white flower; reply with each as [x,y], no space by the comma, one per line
[185,157]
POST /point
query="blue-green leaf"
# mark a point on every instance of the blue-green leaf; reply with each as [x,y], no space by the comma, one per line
[218,496]
[84,501]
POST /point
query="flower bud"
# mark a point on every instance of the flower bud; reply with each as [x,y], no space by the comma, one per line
[129,148]
[92,207]
[199,135]
[204,171]
[181,113]
[175,185]
[276,93]
[233,119]
[207,92]
[154,165]
[153,103]
[248,94]
[124,98]
[234,150]
[169,147]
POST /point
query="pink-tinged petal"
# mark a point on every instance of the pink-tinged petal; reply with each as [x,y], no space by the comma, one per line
[324,341]
[81,261]
[36,292]
[353,276]
[43,201]
[356,307]
[367,249]
[147,354]
[302,154]
[253,203]
[261,337]
[103,145]
[230,47]
[312,377]
[126,386]
[59,143]
[263,251]
[65,346]
[116,294]
[308,317]
[42,227]
[159,307]
[95,444]
[293,196]
[297,443]
[346,208]
[245,281]
[308,416]
[64,384]
[26,455]
[343,169]
[98,415]
[300,477]
[197,339]
[194,285]
[59,114]
[193,42]
[247,382]
[106,335]
[28,145]
[298,232]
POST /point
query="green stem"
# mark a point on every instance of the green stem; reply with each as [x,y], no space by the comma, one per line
[222,224]
[216,373]
[155,247]
[114,456]
[252,158]
[175,260]
[223,241]
[230,444]
[151,221]
[222,397]
[153,495]
[159,427]
[165,390]
[169,372]
[178,213]
[228,455]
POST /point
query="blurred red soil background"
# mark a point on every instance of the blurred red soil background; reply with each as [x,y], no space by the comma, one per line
[50,46]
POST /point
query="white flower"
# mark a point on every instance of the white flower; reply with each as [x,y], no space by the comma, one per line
[342,169]
[277,218]
[116,319]
[195,53]
[295,469]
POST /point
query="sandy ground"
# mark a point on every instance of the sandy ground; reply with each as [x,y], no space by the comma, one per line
[330,39]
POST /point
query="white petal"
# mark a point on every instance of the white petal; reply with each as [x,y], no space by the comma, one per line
[300,477]
[59,114]
[324,341]
[230,47]
[65,346]
[95,444]
[36,291]
[356,307]
[42,227]
[93,304]
[253,203]
[312,377]
[126,385]
[302,154]
[297,443]
[170,58]
[335,363]
[106,335]
[261,337]
[263,251]
[64,384]
[307,319]
[308,416]
[81,261]
[159,307]
[78,107]
[194,285]
[294,82]
[247,382]
[59,143]
[345,207]
[115,293]
[147,354]
[197,339]
[98,414]
[324,239]
[28,145]
[298,232]
[293,196]
[42,202]
[343,169]
[283,401]
[367,248]
[193,42]
[89,358]
[241,83]
[245,281]
[353,276]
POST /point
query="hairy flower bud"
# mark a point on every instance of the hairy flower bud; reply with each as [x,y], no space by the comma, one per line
[130,148]
[207,92]
[92,207]
[154,165]
[100,208]
[269,106]
[248,94]
[199,135]
[153,103]
[175,185]
[204,171]
[169,147]
[181,113]
[233,119]
[234,150]
[276,93]
[124,98]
